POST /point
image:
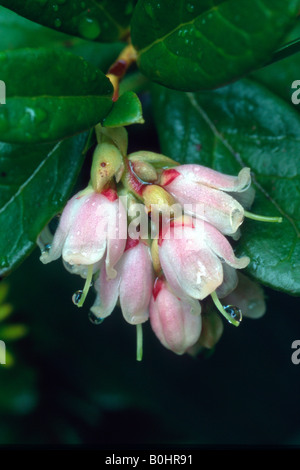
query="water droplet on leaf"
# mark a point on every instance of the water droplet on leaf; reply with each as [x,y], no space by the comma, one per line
[89,28]
[57,23]
[190,7]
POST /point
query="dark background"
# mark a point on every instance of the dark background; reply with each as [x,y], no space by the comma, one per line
[77,383]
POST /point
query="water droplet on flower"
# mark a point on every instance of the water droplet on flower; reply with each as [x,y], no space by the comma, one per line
[234,312]
[46,248]
[76,297]
[89,28]
[94,319]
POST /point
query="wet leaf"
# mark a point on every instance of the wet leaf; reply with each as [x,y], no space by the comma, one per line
[191,46]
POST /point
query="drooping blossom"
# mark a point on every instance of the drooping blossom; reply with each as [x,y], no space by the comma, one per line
[193,262]
[210,195]
[92,227]
[176,322]
[132,285]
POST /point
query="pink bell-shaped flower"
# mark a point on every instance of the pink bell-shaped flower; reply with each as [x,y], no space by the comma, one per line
[92,226]
[193,263]
[176,322]
[132,285]
[210,195]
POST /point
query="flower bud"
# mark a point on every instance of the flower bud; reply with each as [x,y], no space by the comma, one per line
[107,163]
[145,171]
[157,160]
[159,198]
[176,322]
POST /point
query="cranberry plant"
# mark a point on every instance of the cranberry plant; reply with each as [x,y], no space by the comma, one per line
[218,75]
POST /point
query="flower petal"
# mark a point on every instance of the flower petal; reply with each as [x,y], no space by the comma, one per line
[86,240]
[136,284]
[230,281]
[171,320]
[215,179]
[66,220]
[190,268]
[222,248]
[116,237]
[107,294]
[209,204]
[248,296]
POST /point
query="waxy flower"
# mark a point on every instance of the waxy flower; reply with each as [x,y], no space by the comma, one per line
[249,296]
[92,226]
[210,195]
[193,262]
[176,322]
[132,285]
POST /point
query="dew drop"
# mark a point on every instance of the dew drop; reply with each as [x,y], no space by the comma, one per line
[94,319]
[4,263]
[234,312]
[55,7]
[89,28]
[46,248]
[76,297]
[190,7]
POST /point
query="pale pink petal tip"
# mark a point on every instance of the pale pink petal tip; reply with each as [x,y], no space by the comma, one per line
[248,296]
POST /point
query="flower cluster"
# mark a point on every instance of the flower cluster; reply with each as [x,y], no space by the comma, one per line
[153,236]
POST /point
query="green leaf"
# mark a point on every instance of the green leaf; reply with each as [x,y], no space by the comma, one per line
[191,46]
[125,111]
[99,20]
[18,32]
[35,182]
[244,124]
[51,95]
[278,77]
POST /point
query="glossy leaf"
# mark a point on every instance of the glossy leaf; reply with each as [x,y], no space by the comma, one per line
[50,95]
[240,125]
[125,111]
[98,20]
[190,46]
[35,182]
[18,32]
